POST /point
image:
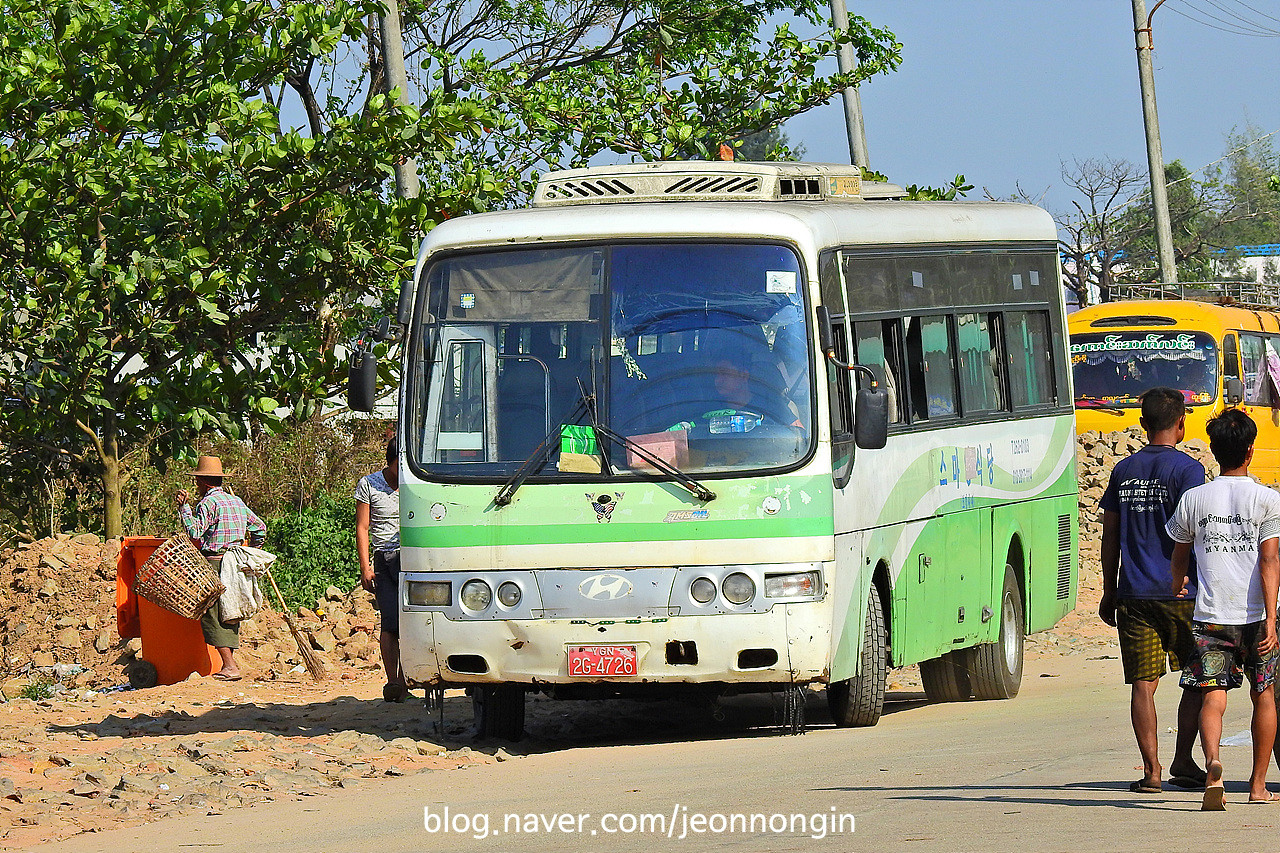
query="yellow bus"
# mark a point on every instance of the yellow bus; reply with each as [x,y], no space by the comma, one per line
[1217,356]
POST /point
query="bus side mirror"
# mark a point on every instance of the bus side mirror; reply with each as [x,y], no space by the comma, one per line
[362,381]
[404,308]
[1233,391]
[826,340]
[871,418]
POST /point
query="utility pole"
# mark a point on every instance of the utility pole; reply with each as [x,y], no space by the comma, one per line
[852,100]
[393,62]
[1155,159]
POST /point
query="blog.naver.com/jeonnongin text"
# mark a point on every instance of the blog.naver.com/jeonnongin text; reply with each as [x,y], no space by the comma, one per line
[677,824]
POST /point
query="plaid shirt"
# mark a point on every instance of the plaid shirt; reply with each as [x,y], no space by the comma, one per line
[221,520]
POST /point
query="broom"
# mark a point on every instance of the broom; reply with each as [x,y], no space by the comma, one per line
[304,646]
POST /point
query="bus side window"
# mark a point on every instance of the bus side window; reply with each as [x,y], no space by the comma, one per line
[931,367]
[880,348]
[1030,357]
[1253,360]
[1230,357]
[980,365]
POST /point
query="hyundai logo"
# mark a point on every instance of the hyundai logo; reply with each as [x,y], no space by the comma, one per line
[605,587]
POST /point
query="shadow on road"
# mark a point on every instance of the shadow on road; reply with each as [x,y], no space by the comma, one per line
[550,725]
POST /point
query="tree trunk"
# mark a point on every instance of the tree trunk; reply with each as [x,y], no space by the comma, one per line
[112,486]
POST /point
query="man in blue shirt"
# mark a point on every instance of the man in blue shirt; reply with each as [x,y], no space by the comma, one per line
[1154,624]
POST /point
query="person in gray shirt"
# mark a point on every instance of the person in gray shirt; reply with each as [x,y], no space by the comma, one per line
[378,525]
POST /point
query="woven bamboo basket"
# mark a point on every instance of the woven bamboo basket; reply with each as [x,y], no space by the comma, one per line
[178,578]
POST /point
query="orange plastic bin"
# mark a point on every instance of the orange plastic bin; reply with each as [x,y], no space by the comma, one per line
[173,644]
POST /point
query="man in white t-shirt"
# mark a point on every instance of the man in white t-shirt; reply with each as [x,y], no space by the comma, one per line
[378,525]
[1234,525]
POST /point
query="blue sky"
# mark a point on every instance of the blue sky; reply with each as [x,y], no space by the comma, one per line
[1004,91]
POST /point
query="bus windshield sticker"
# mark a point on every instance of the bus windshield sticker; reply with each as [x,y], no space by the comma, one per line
[779,281]
[917,279]
[1153,341]
[467,300]
[1017,281]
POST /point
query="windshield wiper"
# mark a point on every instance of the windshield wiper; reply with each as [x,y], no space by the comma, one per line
[539,456]
[543,452]
[699,491]
[1091,403]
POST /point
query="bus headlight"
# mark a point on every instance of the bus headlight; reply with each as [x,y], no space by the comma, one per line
[476,595]
[430,593]
[702,590]
[798,585]
[738,588]
[509,594]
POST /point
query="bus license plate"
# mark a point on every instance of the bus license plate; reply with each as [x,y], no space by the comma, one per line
[602,660]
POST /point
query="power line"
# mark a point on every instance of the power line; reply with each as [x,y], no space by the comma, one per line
[1243,20]
[1228,26]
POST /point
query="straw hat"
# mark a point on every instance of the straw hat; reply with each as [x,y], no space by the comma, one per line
[208,466]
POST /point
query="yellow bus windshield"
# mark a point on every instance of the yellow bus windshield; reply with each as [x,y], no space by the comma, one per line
[1114,368]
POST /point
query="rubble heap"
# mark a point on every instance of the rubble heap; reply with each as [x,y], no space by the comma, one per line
[1096,454]
[58,622]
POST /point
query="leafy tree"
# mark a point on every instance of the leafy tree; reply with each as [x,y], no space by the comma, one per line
[172,260]
[647,79]
[1253,210]
[772,143]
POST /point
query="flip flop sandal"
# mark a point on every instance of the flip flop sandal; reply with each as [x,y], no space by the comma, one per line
[222,677]
[1214,799]
[1142,786]
[1272,797]
[1188,782]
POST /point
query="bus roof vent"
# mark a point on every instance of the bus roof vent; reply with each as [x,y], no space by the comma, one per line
[1134,320]
[709,180]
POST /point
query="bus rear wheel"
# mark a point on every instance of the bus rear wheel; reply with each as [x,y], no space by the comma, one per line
[499,711]
[995,669]
[946,678]
[859,701]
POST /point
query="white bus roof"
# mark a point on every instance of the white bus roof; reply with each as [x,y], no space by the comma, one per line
[822,224]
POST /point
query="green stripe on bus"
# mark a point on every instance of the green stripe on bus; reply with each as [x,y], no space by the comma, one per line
[567,534]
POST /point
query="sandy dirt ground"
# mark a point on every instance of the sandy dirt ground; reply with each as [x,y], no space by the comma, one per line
[87,762]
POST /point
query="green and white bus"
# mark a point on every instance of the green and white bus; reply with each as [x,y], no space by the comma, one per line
[629,464]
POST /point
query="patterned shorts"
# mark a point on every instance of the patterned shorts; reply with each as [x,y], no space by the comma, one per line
[1151,632]
[1224,654]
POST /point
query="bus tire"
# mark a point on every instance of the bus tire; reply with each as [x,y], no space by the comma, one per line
[859,701]
[499,711]
[946,678]
[995,669]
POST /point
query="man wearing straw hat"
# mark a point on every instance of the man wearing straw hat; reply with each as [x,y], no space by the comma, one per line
[219,521]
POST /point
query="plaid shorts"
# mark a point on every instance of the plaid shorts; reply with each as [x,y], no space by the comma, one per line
[1151,632]
[1224,654]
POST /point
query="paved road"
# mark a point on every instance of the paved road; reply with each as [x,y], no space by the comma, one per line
[1047,771]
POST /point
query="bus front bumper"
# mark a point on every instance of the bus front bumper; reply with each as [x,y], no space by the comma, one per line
[788,644]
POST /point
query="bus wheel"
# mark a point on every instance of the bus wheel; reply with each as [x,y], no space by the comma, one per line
[945,678]
[499,711]
[996,668]
[859,701]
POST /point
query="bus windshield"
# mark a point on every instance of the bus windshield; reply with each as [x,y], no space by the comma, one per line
[695,353]
[1114,368]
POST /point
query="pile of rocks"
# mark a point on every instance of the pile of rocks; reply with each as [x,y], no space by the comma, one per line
[341,628]
[58,622]
[1096,454]
[57,611]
